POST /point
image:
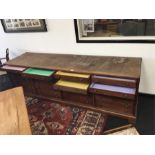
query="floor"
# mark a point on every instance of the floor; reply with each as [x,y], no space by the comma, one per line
[145,114]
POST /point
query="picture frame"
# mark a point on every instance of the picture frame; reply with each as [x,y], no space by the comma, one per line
[23,25]
[131,31]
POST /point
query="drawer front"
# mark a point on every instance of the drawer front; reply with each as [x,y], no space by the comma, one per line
[114,81]
[44,88]
[69,86]
[28,86]
[115,91]
[36,77]
[114,104]
[14,69]
[77,98]
[75,77]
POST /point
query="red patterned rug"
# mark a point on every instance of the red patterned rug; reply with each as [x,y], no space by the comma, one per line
[49,118]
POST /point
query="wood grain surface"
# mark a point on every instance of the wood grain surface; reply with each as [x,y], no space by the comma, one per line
[100,65]
[13,113]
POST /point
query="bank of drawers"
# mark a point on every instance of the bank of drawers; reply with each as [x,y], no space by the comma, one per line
[109,93]
[114,94]
[74,87]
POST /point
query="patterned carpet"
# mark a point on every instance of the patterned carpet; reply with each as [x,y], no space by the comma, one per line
[49,118]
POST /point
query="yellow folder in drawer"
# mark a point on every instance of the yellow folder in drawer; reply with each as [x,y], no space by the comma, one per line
[77,85]
[72,74]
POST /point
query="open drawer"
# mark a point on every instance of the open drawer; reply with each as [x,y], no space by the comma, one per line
[36,73]
[114,81]
[116,91]
[76,77]
[75,87]
[12,68]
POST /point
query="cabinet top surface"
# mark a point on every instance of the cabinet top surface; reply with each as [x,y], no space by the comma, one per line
[127,67]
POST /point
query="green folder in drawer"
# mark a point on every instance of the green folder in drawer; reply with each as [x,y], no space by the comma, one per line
[40,72]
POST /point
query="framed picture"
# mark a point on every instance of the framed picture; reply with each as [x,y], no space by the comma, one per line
[115,30]
[23,25]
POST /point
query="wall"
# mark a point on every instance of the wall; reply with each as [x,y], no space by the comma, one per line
[60,38]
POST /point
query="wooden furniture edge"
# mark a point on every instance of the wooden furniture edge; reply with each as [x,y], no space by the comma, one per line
[117,129]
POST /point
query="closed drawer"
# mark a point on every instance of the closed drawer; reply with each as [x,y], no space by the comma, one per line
[114,81]
[116,91]
[75,77]
[114,104]
[77,98]
[69,86]
[45,88]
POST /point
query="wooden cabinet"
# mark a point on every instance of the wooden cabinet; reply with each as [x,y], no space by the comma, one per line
[105,84]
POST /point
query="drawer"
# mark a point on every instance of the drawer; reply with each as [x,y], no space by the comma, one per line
[36,73]
[69,86]
[75,77]
[114,81]
[116,91]
[77,98]
[12,68]
[28,86]
[114,104]
[45,88]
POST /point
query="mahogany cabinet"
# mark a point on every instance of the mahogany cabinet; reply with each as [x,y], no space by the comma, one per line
[101,83]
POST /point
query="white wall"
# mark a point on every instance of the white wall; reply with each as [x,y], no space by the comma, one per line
[60,38]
